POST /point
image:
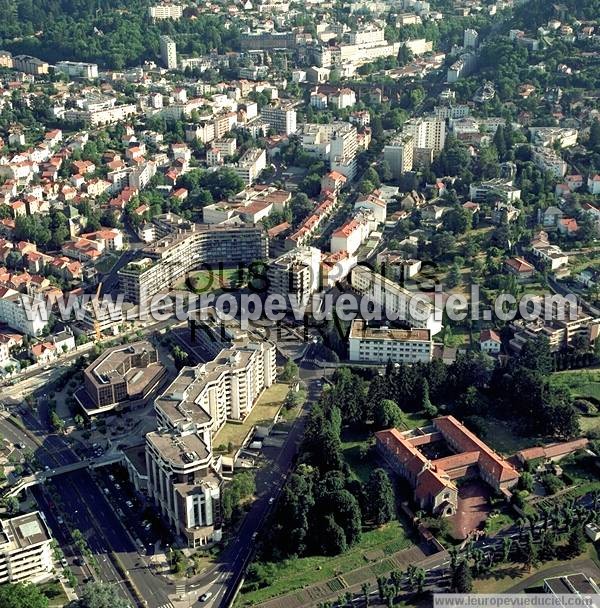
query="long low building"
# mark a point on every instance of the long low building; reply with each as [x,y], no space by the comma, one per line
[383,344]
[412,308]
[173,256]
[25,549]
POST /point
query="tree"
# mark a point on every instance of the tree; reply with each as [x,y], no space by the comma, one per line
[100,595]
[529,554]
[576,542]
[456,220]
[290,371]
[180,357]
[380,497]
[453,277]
[21,596]
[387,414]
[331,536]
[594,141]
[462,580]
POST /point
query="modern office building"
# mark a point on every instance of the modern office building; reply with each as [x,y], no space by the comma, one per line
[170,258]
[25,549]
[168,52]
[372,344]
[121,377]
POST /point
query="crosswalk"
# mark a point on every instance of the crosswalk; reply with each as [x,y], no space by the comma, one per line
[169,605]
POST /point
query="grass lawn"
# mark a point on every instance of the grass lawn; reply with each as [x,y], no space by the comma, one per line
[501,435]
[209,281]
[495,523]
[262,413]
[298,573]
[584,383]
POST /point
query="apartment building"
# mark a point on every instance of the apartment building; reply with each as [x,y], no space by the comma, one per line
[30,65]
[399,155]
[165,11]
[168,52]
[371,344]
[25,549]
[22,312]
[548,161]
[182,472]
[121,377]
[106,116]
[282,118]
[185,249]
[353,233]
[78,69]
[427,132]
[251,164]
[399,303]
[295,274]
[336,142]
[183,485]
[267,40]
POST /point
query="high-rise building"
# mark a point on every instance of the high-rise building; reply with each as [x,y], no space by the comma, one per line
[295,274]
[471,39]
[399,155]
[281,117]
[168,52]
[427,132]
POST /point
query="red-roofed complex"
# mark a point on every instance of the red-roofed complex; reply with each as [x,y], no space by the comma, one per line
[460,454]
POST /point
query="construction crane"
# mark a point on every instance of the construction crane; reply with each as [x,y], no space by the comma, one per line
[95,311]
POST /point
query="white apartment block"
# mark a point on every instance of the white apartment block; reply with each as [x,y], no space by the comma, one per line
[295,274]
[20,312]
[165,11]
[427,132]
[548,136]
[281,118]
[410,307]
[25,551]
[106,116]
[226,146]
[383,344]
[168,52]
[399,155]
[77,69]
[140,176]
[470,39]
[204,132]
[251,164]
[452,112]
[548,160]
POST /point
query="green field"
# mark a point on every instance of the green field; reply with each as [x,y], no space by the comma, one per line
[584,383]
[298,573]
[210,281]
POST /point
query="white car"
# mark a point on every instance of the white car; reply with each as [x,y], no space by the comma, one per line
[205,596]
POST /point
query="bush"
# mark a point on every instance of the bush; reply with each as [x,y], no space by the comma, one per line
[585,407]
[552,483]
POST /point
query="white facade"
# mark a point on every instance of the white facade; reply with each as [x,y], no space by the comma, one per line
[78,69]
[412,308]
[295,274]
[168,52]
[427,132]
[382,344]
[251,164]
[165,11]
[20,312]
[25,551]
[399,155]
